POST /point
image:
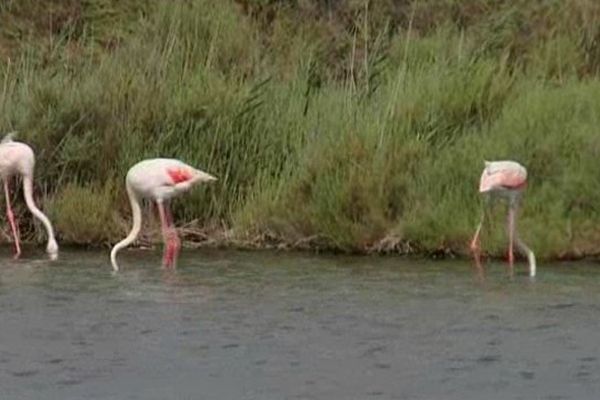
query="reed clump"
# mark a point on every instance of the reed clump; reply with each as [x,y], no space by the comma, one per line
[353,126]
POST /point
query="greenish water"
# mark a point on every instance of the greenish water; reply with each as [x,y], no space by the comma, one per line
[262,325]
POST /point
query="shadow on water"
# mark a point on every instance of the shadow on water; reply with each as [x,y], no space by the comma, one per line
[264,325]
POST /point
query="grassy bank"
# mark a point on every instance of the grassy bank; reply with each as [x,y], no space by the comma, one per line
[354,126]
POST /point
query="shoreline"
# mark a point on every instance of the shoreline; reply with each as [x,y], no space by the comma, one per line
[387,247]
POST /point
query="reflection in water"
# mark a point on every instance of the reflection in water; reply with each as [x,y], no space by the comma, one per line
[232,325]
[510,270]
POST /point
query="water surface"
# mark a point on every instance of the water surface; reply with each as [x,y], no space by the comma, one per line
[262,325]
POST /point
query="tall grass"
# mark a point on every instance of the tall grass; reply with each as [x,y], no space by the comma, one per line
[355,126]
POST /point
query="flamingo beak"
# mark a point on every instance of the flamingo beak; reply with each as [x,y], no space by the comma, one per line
[205,177]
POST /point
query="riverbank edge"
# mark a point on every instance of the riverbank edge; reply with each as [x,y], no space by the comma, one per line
[227,239]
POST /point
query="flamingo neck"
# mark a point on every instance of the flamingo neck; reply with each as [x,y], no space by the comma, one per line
[135,230]
[52,246]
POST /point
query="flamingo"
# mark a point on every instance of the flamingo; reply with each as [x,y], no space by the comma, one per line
[505,179]
[158,179]
[18,159]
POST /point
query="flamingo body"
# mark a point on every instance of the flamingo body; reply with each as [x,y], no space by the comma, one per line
[507,179]
[159,180]
[502,175]
[18,159]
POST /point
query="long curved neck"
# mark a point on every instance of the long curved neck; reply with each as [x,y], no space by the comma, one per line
[530,256]
[135,230]
[52,247]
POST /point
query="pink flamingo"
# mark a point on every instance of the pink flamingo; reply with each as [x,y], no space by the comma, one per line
[506,179]
[158,179]
[17,159]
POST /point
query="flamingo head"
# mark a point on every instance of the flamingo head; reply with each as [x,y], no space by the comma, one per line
[52,249]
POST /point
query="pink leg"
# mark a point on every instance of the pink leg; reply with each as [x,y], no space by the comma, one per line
[170,237]
[175,242]
[11,219]
[475,247]
[475,241]
[511,238]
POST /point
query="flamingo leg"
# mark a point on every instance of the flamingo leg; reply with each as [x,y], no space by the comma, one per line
[174,237]
[11,219]
[164,230]
[511,238]
[170,237]
[475,242]
[475,247]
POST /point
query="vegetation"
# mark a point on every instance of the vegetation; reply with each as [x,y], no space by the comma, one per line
[357,125]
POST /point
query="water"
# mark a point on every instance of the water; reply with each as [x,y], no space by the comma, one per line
[234,325]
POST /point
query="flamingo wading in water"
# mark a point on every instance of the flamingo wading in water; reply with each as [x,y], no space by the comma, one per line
[158,179]
[505,179]
[17,159]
